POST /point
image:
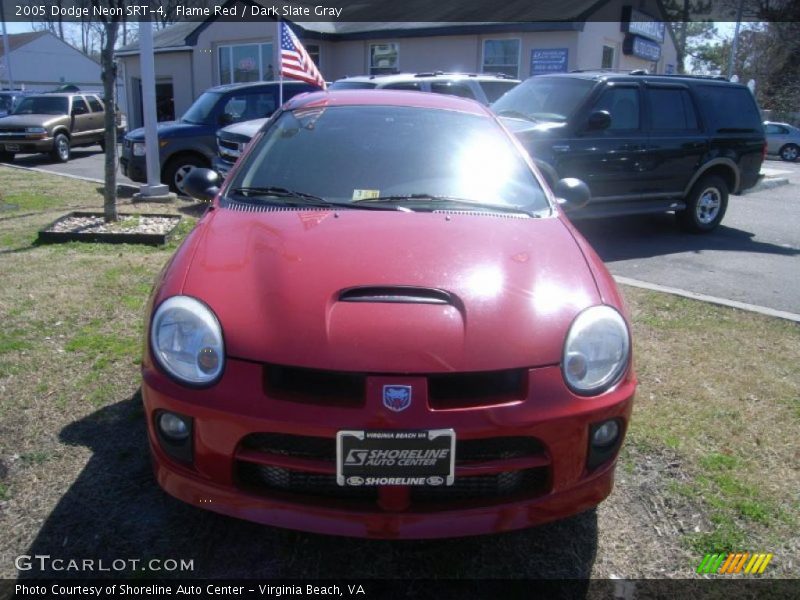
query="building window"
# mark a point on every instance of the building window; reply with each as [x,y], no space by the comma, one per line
[501,56]
[384,58]
[313,52]
[608,58]
[245,62]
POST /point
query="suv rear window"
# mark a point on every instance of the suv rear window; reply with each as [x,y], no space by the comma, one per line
[351,85]
[729,109]
[452,88]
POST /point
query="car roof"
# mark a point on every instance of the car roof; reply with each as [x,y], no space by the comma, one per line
[387,98]
[637,75]
[231,87]
[430,75]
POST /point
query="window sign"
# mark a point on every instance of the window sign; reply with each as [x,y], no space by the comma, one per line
[549,60]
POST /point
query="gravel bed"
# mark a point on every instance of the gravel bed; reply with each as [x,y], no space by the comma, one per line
[126,224]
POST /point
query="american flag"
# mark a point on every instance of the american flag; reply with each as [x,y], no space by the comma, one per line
[295,61]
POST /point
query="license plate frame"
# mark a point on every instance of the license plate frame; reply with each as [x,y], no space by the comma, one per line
[419,458]
[12,147]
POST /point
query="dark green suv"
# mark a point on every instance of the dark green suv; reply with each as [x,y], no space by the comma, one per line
[642,143]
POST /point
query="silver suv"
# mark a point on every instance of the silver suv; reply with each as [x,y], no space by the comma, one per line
[485,88]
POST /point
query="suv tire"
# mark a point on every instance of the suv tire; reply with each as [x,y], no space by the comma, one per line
[61,149]
[790,152]
[705,205]
[178,167]
[6,157]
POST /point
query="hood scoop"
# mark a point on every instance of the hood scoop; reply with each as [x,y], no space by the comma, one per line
[397,294]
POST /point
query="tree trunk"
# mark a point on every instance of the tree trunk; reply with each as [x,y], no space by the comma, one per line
[109,75]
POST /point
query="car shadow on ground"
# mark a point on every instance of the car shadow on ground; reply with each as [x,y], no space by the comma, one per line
[644,236]
[115,509]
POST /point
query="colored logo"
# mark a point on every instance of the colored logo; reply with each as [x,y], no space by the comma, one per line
[397,397]
[733,563]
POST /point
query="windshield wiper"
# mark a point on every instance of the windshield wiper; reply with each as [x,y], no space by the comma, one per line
[277,192]
[300,198]
[422,198]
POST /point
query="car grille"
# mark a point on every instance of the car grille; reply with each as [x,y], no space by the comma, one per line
[303,468]
[229,151]
[445,390]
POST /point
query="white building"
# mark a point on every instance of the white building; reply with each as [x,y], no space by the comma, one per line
[41,61]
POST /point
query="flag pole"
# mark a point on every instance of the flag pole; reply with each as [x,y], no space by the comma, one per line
[280,64]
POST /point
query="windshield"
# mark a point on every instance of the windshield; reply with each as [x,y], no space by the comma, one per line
[544,98]
[373,154]
[200,113]
[43,105]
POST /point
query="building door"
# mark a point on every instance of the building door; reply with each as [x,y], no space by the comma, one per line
[165,100]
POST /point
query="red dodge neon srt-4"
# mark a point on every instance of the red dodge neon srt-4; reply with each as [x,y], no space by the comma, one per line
[386,327]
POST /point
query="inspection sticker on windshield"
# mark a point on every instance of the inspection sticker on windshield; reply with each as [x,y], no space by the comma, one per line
[370,458]
[365,194]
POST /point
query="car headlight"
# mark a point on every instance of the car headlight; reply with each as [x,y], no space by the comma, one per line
[186,339]
[138,148]
[35,130]
[596,351]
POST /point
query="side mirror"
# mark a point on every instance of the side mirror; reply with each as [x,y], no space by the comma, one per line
[599,120]
[201,184]
[572,193]
[78,111]
[225,119]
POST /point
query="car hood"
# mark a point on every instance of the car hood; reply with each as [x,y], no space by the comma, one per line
[31,120]
[168,129]
[275,279]
[244,129]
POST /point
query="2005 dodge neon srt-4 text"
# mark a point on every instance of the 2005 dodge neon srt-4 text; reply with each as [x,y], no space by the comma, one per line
[386,327]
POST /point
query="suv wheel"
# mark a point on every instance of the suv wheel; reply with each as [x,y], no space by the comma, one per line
[790,152]
[61,149]
[178,168]
[705,205]
[6,157]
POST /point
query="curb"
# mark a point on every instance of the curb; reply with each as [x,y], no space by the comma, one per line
[768,184]
[754,308]
[126,186]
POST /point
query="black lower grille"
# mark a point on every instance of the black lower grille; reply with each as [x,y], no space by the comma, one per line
[498,486]
[298,446]
[495,487]
[263,478]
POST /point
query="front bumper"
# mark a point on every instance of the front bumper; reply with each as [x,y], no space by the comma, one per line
[133,167]
[23,145]
[238,406]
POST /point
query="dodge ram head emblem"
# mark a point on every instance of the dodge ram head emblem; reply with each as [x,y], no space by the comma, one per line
[397,397]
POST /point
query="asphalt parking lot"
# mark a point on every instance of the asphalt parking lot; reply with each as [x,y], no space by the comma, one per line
[752,257]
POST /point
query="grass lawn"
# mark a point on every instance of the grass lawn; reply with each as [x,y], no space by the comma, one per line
[710,464]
